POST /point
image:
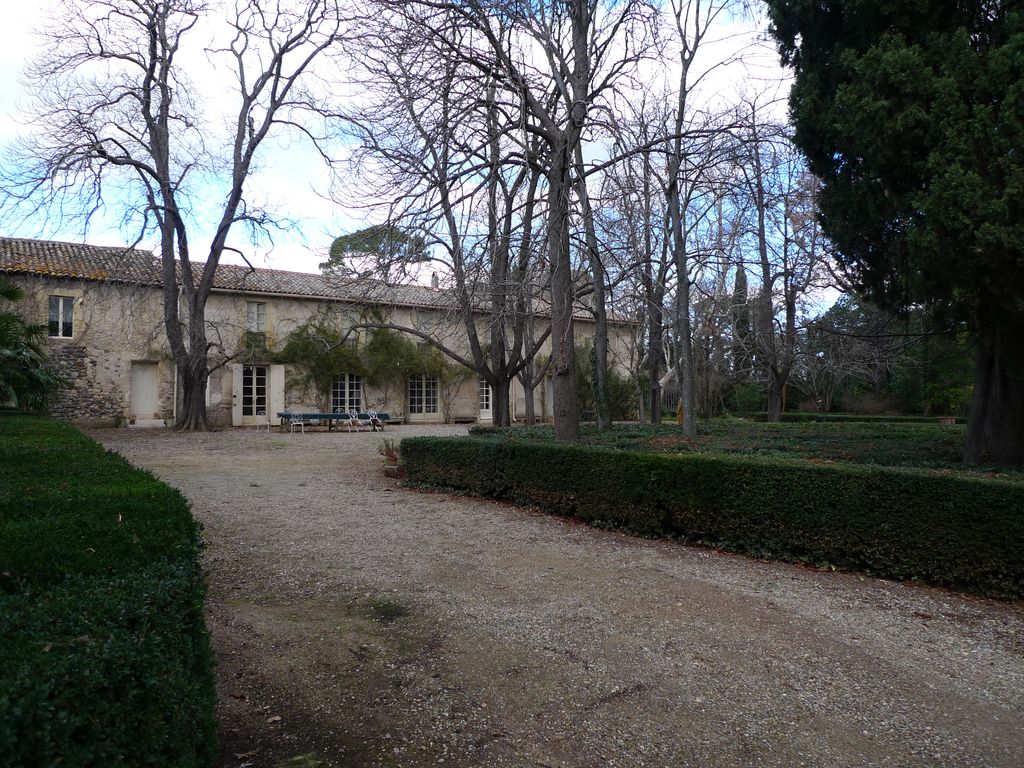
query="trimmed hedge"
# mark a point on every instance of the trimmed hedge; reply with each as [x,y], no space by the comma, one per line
[106,658]
[961,532]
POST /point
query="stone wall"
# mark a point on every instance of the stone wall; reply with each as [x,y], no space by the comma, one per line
[116,325]
[84,399]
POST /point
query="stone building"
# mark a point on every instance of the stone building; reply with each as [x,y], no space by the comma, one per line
[103,309]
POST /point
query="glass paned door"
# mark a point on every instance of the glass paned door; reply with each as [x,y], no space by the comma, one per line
[486,413]
[347,393]
[254,389]
[422,394]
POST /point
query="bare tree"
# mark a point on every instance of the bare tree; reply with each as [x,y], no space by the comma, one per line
[436,150]
[790,252]
[116,116]
[693,20]
[635,217]
[527,78]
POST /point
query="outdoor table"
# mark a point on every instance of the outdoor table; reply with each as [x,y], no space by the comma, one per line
[330,418]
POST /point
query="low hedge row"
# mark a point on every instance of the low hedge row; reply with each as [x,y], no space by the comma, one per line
[961,532]
[106,659]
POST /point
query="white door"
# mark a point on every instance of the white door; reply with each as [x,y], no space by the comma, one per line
[256,388]
[236,395]
[421,398]
[276,403]
[486,413]
[250,397]
[144,407]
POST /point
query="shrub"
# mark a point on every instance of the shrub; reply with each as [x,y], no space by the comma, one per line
[746,396]
[956,531]
[621,390]
[106,656]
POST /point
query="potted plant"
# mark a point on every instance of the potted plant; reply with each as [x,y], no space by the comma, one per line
[389,451]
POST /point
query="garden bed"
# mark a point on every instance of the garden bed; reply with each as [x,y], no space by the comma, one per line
[890,444]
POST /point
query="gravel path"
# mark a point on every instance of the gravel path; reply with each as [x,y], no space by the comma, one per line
[357,623]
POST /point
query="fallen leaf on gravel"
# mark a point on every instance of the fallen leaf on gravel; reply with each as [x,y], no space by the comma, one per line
[246,755]
[274,719]
[239,696]
[923,615]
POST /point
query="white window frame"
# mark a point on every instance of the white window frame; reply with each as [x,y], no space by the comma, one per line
[347,393]
[256,316]
[65,317]
[422,393]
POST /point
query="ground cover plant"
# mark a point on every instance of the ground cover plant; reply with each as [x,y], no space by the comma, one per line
[106,656]
[886,443]
[886,499]
[815,416]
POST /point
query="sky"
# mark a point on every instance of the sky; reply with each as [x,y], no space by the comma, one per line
[291,179]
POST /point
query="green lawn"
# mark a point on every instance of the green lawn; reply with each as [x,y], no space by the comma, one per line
[896,444]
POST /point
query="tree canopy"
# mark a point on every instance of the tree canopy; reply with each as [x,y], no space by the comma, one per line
[912,114]
[381,240]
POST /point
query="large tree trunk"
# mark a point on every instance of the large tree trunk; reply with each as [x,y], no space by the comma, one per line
[563,342]
[684,361]
[684,333]
[530,410]
[601,404]
[500,402]
[656,351]
[995,431]
[190,358]
[191,415]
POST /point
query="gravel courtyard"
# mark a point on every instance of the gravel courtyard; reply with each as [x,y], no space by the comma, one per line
[357,623]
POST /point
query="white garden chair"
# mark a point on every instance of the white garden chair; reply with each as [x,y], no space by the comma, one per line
[262,420]
[375,422]
[355,421]
[296,420]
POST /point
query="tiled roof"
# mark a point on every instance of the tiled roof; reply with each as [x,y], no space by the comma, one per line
[136,267]
[124,265]
[80,262]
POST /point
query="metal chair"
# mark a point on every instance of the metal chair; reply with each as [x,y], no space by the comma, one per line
[262,420]
[354,420]
[376,425]
[295,420]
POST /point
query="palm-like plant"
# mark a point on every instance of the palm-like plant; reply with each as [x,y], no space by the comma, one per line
[25,381]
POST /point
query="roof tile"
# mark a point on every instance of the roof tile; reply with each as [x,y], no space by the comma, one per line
[127,265]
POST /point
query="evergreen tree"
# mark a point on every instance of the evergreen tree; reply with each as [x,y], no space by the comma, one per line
[912,114]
